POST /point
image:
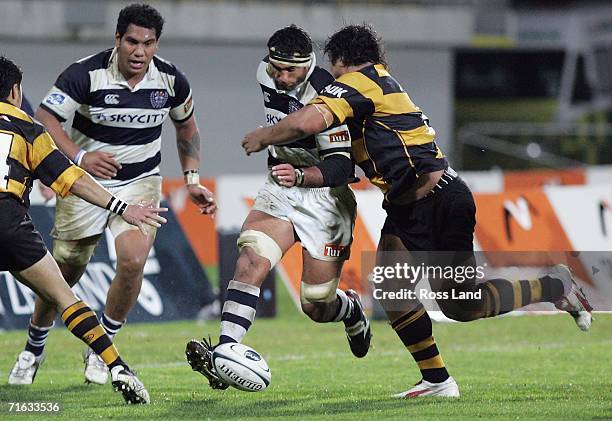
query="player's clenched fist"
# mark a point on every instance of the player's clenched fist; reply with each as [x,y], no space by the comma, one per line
[203,198]
[284,174]
[254,141]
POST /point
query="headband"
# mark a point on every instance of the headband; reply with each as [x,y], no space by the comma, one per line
[290,59]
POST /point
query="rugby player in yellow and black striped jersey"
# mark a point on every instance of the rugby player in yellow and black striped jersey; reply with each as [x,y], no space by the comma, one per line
[394,143]
[429,208]
[27,152]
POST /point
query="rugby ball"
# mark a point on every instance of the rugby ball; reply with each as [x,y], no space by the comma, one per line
[241,367]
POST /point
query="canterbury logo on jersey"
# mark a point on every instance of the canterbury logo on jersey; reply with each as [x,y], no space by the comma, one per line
[336,91]
[111,99]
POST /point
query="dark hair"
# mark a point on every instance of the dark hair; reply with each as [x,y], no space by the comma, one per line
[141,15]
[10,74]
[355,45]
[291,39]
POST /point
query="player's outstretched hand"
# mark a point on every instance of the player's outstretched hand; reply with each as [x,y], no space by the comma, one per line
[284,174]
[142,214]
[253,141]
[100,164]
[203,198]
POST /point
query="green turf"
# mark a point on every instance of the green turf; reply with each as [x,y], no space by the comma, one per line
[513,367]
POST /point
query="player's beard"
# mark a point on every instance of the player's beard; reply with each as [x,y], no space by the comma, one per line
[284,87]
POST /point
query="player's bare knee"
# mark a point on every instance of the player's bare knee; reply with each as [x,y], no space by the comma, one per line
[259,253]
[130,267]
[256,245]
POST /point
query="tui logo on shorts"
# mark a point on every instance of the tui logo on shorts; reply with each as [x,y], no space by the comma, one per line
[333,250]
[342,136]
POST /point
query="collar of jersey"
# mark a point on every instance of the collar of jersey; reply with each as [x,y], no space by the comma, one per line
[117,77]
[10,109]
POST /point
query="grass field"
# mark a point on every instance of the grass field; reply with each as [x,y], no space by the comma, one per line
[514,367]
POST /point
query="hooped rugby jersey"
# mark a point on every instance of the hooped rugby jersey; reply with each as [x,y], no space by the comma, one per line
[110,116]
[396,142]
[310,150]
[27,152]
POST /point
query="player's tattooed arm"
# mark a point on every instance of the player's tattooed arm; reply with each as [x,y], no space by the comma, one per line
[190,147]
[188,144]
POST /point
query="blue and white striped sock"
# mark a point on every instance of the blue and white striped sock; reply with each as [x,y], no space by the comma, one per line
[345,309]
[37,338]
[110,326]
[238,311]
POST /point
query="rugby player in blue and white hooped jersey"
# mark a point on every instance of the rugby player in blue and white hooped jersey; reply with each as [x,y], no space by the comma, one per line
[119,99]
[322,219]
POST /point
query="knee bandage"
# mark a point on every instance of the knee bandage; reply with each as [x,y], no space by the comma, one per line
[75,253]
[262,244]
[321,293]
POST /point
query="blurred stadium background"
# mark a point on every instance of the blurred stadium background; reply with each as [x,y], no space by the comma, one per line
[519,92]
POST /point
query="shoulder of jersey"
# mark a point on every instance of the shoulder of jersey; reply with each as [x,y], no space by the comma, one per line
[164,65]
[320,78]
[95,61]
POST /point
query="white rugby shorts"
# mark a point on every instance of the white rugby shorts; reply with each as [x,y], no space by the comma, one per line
[76,218]
[323,218]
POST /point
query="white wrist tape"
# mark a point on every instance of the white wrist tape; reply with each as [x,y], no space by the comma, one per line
[192,177]
[79,157]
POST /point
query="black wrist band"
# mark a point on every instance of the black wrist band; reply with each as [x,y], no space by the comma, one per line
[117,206]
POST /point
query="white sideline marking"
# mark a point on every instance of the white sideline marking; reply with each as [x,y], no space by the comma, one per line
[510,347]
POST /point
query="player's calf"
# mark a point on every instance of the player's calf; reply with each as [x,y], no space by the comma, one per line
[334,305]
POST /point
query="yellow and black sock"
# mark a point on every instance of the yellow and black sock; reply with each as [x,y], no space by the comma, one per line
[84,324]
[502,295]
[414,329]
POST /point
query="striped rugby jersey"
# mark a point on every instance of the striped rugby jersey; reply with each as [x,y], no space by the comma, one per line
[110,116]
[395,143]
[27,152]
[278,104]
